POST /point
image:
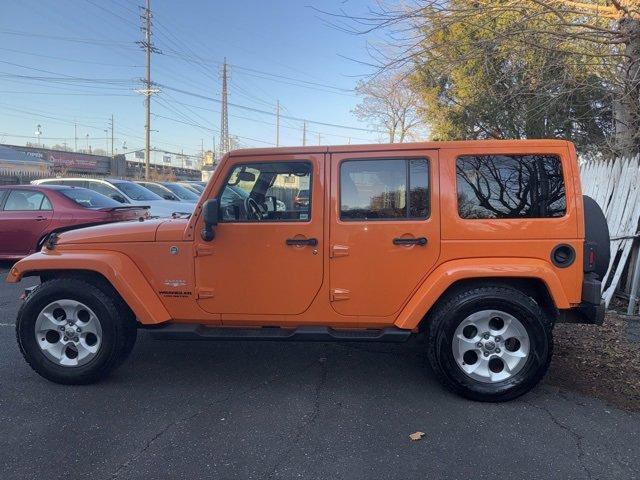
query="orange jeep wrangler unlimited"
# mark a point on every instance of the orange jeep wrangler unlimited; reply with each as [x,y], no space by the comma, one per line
[482,245]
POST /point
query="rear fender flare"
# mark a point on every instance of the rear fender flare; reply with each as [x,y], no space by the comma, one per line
[116,267]
[437,283]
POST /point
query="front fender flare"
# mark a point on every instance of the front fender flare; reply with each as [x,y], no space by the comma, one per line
[116,267]
[448,273]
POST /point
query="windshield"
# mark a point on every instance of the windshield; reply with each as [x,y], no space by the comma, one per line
[181,192]
[89,199]
[136,192]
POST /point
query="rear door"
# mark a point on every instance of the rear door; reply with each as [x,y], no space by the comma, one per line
[264,259]
[24,218]
[385,228]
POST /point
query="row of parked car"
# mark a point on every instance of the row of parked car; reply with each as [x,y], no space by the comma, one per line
[30,213]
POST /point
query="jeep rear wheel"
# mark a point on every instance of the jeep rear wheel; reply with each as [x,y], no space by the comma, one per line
[72,332]
[490,343]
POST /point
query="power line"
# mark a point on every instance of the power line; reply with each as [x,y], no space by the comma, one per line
[90,41]
[66,59]
[210,129]
[257,110]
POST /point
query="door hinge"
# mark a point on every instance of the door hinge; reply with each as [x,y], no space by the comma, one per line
[339,251]
[340,294]
[203,250]
[205,293]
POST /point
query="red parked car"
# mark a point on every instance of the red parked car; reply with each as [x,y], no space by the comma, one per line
[29,213]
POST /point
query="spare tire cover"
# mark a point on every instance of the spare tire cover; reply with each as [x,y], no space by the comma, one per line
[597,231]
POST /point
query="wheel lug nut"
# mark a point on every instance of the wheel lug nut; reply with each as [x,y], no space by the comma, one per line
[78,329]
[61,327]
[479,344]
[486,336]
[498,339]
[497,350]
[486,354]
[65,338]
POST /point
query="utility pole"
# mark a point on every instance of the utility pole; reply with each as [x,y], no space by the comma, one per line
[75,137]
[304,134]
[106,139]
[224,114]
[277,123]
[112,134]
[147,91]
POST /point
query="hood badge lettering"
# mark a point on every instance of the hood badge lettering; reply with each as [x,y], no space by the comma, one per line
[175,283]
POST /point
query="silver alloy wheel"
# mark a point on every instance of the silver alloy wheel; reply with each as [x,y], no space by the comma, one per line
[68,333]
[491,346]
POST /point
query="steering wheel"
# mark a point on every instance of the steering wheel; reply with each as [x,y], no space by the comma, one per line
[253,209]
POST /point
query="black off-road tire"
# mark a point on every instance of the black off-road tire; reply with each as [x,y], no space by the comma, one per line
[119,330]
[452,311]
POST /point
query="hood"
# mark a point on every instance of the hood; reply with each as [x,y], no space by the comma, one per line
[132,231]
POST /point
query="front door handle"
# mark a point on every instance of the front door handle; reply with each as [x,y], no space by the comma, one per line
[302,241]
[422,241]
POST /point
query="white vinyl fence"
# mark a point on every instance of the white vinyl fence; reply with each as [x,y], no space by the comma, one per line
[615,185]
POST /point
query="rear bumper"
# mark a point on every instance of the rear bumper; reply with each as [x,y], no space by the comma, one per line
[590,313]
[591,309]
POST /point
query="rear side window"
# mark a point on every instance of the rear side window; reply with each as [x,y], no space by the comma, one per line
[21,200]
[384,189]
[510,186]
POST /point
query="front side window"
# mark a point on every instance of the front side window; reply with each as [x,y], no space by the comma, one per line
[26,200]
[267,192]
[510,186]
[384,189]
[136,192]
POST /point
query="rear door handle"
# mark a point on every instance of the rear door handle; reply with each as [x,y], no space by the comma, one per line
[302,241]
[422,241]
[40,218]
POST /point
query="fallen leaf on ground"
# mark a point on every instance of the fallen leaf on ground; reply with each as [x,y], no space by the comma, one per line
[416,436]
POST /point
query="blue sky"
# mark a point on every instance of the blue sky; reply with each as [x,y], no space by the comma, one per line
[95,41]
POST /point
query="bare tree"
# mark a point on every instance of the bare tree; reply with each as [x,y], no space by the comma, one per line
[390,104]
[602,36]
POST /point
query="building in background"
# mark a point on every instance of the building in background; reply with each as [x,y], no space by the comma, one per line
[22,164]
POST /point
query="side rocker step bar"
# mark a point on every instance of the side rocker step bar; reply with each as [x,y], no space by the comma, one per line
[181,331]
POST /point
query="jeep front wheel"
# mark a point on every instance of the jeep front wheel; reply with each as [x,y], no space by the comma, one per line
[490,343]
[72,332]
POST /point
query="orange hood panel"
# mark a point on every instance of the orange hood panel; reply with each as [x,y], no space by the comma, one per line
[113,233]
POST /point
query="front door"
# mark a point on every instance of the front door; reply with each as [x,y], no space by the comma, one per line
[385,229]
[266,256]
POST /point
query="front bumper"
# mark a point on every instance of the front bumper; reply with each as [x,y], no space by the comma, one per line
[586,312]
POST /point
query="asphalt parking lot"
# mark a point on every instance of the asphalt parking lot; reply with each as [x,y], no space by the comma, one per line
[261,410]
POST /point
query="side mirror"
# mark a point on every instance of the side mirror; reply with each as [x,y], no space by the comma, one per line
[210,215]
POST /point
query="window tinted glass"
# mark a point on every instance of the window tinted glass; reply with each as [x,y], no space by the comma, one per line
[272,187]
[384,189]
[104,189]
[510,186]
[89,199]
[46,204]
[160,191]
[26,200]
[136,192]
[181,192]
